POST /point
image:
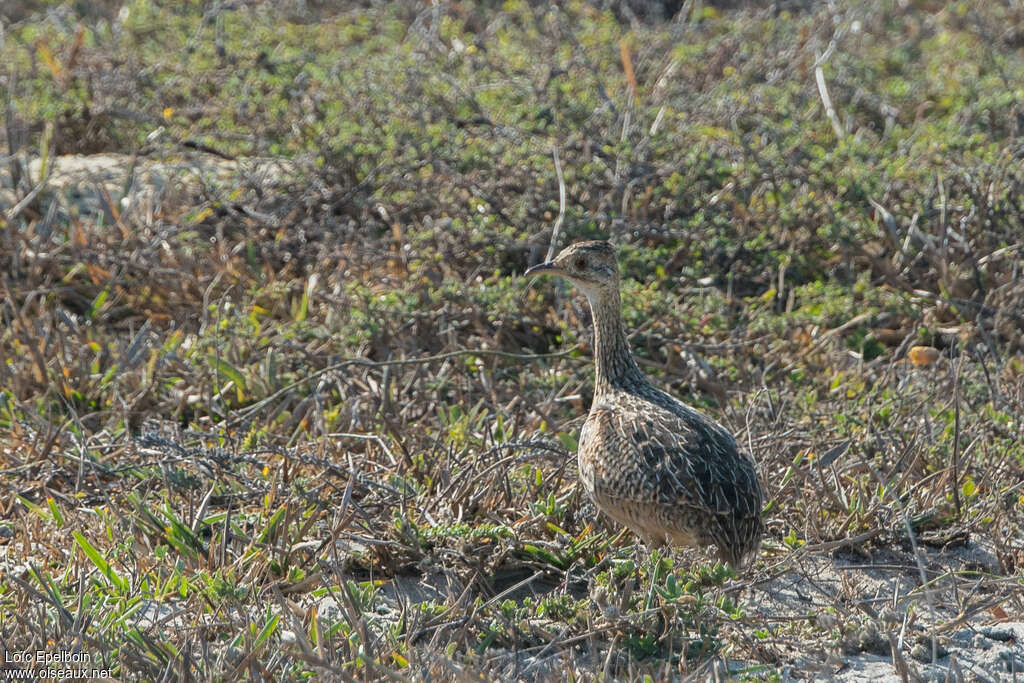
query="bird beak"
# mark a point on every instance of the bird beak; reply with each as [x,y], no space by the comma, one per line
[542,268]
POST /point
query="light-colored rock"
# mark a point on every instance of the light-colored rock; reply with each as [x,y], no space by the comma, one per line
[144,186]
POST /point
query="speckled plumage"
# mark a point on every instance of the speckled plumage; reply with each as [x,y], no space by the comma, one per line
[666,471]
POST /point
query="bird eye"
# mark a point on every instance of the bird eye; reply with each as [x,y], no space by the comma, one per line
[581,263]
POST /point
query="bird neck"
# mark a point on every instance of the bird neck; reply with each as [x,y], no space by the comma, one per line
[615,366]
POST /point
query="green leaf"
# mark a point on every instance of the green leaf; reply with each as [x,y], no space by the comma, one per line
[969,487]
[97,304]
[108,572]
[545,555]
[231,372]
[568,441]
[268,630]
[275,520]
[58,518]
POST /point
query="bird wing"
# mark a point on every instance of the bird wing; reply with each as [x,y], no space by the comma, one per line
[672,459]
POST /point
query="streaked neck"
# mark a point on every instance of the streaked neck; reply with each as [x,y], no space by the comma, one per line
[615,366]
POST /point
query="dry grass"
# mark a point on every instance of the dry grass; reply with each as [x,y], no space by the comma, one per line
[309,421]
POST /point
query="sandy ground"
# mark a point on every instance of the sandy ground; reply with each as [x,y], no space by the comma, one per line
[881,622]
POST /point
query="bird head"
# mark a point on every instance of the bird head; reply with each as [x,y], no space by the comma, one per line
[591,266]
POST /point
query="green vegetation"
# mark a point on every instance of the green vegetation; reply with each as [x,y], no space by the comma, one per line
[303,418]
